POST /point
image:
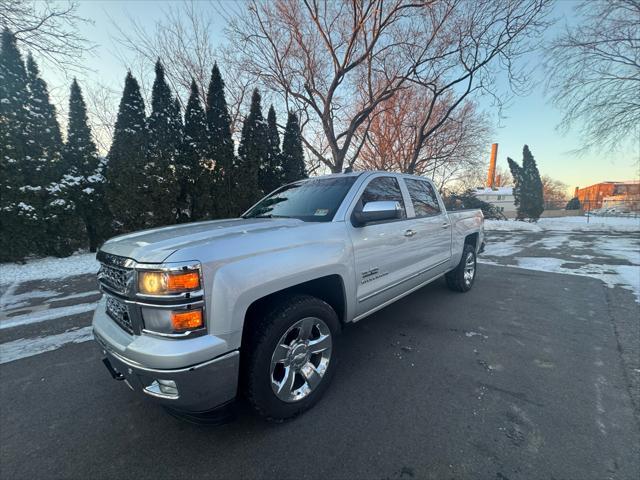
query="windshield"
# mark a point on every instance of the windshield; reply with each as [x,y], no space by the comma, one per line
[309,200]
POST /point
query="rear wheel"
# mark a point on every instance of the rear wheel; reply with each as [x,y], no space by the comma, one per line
[290,357]
[462,277]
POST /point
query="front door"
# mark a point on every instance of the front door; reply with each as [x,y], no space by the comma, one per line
[383,251]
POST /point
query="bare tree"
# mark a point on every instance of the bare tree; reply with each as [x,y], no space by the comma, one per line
[594,73]
[456,147]
[503,177]
[483,39]
[183,40]
[336,62]
[554,193]
[49,29]
[102,108]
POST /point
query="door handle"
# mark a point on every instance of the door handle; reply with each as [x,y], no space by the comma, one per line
[445,225]
[409,233]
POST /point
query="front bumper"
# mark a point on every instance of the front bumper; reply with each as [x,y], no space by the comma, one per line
[203,368]
[200,387]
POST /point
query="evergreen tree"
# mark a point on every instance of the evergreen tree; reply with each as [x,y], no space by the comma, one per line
[532,186]
[17,213]
[516,175]
[573,204]
[43,130]
[194,171]
[48,171]
[271,173]
[528,191]
[220,149]
[163,143]
[293,166]
[252,154]
[84,181]
[126,183]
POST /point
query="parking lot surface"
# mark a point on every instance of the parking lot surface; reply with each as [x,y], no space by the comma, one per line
[523,377]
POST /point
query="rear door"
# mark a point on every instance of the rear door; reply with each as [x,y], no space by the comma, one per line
[383,251]
[432,227]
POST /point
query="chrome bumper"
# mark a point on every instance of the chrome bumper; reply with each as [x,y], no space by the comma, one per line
[199,387]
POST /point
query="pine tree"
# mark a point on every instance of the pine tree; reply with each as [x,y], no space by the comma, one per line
[126,183]
[84,181]
[220,149]
[573,204]
[252,154]
[17,214]
[292,151]
[162,149]
[516,175]
[527,189]
[195,173]
[271,173]
[62,223]
[532,186]
[44,129]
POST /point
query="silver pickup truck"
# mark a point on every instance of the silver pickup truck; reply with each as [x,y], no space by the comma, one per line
[194,314]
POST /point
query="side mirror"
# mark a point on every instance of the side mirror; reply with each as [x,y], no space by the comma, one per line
[377,212]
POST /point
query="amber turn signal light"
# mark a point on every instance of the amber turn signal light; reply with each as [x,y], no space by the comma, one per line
[183,281]
[186,320]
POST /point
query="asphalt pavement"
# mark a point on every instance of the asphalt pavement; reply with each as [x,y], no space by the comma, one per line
[523,377]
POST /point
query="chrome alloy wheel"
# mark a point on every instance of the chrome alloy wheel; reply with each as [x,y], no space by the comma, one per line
[469,268]
[300,359]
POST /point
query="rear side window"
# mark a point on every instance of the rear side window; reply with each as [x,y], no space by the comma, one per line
[425,202]
[383,189]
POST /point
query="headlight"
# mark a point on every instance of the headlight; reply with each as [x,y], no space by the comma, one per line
[163,283]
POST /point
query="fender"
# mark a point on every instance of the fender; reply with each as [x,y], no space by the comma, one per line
[236,285]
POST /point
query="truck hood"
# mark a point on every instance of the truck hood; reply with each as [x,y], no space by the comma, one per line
[156,245]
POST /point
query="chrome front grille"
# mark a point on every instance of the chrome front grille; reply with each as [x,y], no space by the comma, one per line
[119,312]
[114,277]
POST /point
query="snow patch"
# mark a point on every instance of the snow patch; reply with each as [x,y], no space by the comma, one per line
[625,276]
[49,268]
[567,224]
[10,301]
[46,315]
[28,347]
[503,248]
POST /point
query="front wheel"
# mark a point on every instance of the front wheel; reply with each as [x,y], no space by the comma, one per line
[290,357]
[462,277]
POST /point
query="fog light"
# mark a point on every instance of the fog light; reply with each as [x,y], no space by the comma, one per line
[163,389]
[168,387]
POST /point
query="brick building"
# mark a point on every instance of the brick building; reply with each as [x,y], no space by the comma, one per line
[608,194]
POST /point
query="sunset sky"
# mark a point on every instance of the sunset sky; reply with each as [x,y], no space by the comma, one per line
[529,119]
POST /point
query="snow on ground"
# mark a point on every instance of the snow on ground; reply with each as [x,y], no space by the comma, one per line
[27,347]
[48,268]
[557,246]
[610,224]
[46,315]
[504,248]
[626,276]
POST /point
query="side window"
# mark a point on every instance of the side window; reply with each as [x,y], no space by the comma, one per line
[425,202]
[383,189]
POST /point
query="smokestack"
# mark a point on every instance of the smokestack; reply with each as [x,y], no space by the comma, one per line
[491,178]
[575,193]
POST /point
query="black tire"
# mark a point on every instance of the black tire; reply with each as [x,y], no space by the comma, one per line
[261,344]
[456,278]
